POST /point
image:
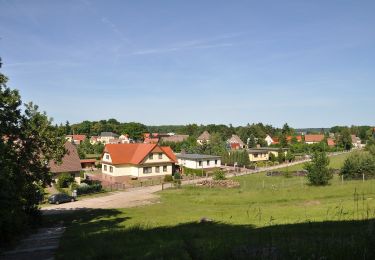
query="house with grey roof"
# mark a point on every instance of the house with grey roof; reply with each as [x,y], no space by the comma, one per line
[198,161]
[70,164]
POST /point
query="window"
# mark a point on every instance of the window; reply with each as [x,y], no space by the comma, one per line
[160,156]
[105,167]
[256,155]
[107,156]
[215,162]
[200,163]
[164,168]
[151,156]
[110,169]
[147,169]
[157,169]
[208,162]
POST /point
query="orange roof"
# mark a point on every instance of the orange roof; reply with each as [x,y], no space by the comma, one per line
[78,137]
[169,152]
[134,153]
[275,140]
[330,142]
[314,138]
[298,137]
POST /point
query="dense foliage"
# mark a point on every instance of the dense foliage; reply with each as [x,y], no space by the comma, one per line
[64,180]
[318,172]
[28,141]
[357,164]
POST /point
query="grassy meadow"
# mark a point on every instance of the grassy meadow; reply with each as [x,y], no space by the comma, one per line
[267,217]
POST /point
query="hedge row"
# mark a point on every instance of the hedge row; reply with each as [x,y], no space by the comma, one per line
[89,189]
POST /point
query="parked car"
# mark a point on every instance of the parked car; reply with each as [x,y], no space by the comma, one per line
[60,198]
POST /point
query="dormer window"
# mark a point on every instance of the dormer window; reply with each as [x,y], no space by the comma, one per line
[151,156]
[160,156]
[107,156]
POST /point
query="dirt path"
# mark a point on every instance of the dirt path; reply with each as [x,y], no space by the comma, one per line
[119,199]
[41,245]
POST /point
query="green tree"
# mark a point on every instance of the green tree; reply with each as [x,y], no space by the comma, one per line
[345,139]
[28,141]
[318,172]
[251,141]
[357,164]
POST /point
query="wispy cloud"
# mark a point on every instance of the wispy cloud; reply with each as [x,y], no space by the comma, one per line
[107,22]
[208,43]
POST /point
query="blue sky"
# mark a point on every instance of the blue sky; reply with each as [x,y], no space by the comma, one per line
[308,63]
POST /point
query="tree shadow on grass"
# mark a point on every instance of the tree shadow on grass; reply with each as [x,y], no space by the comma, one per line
[105,236]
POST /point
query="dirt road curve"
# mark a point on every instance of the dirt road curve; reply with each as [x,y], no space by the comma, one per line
[120,199]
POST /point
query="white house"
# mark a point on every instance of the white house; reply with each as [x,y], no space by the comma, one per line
[105,137]
[137,160]
[204,138]
[198,161]
[268,140]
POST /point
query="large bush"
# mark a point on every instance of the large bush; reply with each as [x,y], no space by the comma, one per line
[357,164]
[86,189]
[318,171]
[64,180]
[219,175]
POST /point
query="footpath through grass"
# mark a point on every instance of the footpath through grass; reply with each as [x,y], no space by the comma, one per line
[266,217]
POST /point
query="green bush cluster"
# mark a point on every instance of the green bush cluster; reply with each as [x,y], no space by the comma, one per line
[168,178]
[89,189]
[64,180]
[358,164]
[219,175]
[239,157]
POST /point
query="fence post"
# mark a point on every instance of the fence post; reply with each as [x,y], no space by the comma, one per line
[162,186]
[342,179]
[363,177]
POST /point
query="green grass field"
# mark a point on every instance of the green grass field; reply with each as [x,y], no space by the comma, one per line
[266,217]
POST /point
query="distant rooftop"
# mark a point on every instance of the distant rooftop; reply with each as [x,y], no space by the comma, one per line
[108,134]
[194,156]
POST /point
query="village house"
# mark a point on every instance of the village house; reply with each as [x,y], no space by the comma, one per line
[106,137]
[88,164]
[356,142]
[70,164]
[204,138]
[268,140]
[235,143]
[77,139]
[263,153]
[313,138]
[330,142]
[198,161]
[151,138]
[137,160]
[94,139]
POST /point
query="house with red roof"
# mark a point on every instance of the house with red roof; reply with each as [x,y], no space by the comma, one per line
[331,142]
[313,139]
[137,160]
[77,139]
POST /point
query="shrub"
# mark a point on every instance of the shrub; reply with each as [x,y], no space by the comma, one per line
[357,164]
[219,175]
[197,172]
[64,180]
[168,178]
[86,189]
[318,171]
[177,176]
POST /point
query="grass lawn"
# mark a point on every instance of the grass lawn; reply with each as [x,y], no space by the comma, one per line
[267,217]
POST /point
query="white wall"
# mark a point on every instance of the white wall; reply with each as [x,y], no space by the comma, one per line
[192,164]
[136,171]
